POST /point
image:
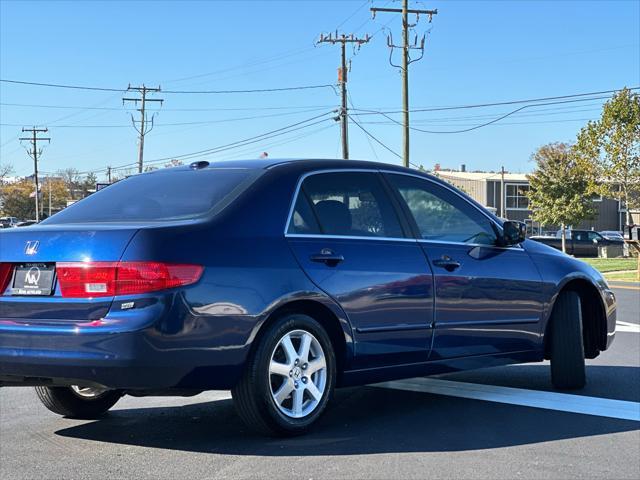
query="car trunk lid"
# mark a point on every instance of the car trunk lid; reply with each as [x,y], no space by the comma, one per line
[30,255]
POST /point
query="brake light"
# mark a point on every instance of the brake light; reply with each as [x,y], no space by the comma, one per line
[107,279]
[5,275]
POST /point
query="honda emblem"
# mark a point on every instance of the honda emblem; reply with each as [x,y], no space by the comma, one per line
[32,247]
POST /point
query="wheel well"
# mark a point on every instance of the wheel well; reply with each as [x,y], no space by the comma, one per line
[594,323]
[323,315]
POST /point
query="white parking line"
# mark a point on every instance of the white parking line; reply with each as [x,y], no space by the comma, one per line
[627,327]
[601,407]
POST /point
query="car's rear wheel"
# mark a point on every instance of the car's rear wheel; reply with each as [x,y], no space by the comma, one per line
[567,346]
[289,379]
[78,401]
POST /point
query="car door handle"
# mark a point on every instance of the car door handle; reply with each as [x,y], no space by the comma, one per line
[327,257]
[447,263]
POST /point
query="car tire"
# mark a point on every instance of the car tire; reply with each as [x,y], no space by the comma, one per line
[289,401]
[67,402]
[567,347]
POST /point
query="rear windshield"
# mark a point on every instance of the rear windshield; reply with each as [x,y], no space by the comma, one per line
[157,197]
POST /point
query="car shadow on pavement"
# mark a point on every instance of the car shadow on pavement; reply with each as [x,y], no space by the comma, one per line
[363,420]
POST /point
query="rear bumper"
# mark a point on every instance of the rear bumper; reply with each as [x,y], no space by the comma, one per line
[161,346]
[119,360]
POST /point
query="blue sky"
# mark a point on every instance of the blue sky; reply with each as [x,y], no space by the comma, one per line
[476,52]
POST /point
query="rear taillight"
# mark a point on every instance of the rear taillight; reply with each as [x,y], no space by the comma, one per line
[107,279]
[5,275]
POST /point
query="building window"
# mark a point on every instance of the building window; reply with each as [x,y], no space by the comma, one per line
[516,196]
[622,207]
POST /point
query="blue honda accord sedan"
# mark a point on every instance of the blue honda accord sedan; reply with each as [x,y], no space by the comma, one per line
[282,280]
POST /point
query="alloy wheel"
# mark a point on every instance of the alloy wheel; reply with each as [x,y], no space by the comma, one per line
[297,374]
[88,393]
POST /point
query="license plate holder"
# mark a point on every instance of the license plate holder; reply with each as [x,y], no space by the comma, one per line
[33,279]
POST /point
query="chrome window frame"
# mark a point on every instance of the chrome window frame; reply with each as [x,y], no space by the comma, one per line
[395,239]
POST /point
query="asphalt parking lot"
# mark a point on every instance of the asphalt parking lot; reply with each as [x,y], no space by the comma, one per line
[400,430]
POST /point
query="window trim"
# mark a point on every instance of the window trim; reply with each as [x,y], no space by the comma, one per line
[452,190]
[459,194]
[506,188]
[298,189]
[399,211]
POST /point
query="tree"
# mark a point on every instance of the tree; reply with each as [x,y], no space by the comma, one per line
[19,202]
[78,186]
[613,144]
[71,178]
[560,186]
[59,195]
[88,184]
[173,163]
[6,169]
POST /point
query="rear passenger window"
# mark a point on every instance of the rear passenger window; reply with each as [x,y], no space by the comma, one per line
[347,204]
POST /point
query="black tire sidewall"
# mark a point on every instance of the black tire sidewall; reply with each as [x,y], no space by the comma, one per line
[567,347]
[276,420]
[63,401]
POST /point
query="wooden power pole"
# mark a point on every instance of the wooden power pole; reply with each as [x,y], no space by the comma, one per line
[144,127]
[342,80]
[34,153]
[406,47]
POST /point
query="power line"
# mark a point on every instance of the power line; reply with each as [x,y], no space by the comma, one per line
[373,150]
[355,12]
[224,148]
[198,92]
[257,90]
[365,111]
[264,136]
[268,135]
[274,58]
[57,85]
[528,122]
[509,102]
[475,127]
[374,138]
[266,146]
[213,109]
[202,122]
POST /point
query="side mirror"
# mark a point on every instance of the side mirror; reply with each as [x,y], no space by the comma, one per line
[513,233]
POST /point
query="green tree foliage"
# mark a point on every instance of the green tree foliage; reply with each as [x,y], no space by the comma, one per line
[18,202]
[559,193]
[88,184]
[613,145]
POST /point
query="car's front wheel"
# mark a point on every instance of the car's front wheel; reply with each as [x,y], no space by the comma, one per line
[289,379]
[567,346]
[77,401]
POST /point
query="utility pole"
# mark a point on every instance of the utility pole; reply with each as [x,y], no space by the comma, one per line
[503,195]
[342,79]
[109,174]
[35,153]
[406,60]
[144,128]
[49,182]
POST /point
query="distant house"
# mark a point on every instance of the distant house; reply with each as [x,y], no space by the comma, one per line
[486,188]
